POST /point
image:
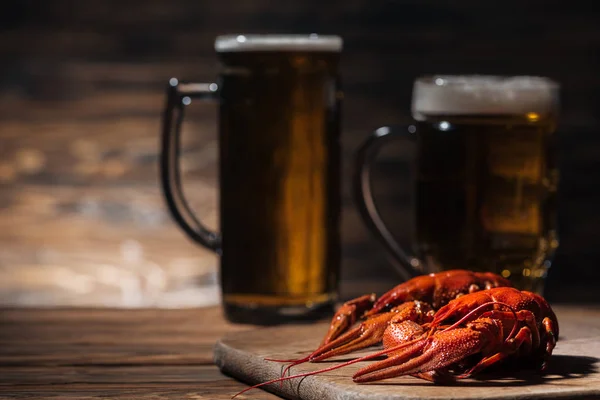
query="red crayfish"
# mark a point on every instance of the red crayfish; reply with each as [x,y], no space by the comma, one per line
[414,300]
[469,334]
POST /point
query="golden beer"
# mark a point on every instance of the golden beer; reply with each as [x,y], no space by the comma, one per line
[486,175]
[279,174]
[485,178]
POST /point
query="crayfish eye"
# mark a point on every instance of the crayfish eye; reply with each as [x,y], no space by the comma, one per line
[473,288]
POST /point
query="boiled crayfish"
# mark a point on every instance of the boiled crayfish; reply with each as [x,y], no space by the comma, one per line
[494,324]
[414,300]
[469,334]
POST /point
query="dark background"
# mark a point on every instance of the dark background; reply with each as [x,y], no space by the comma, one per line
[81,92]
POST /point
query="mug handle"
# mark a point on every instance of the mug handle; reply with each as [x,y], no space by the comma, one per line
[407,265]
[179,95]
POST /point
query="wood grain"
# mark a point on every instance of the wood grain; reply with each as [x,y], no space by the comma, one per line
[221,387]
[107,337]
[118,382]
[107,353]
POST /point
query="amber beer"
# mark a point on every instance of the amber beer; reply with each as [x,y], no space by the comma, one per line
[487,175]
[279,174]
[485,178]
[280,180]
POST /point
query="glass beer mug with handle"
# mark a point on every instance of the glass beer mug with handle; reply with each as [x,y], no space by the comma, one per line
[279,102]
[485,177]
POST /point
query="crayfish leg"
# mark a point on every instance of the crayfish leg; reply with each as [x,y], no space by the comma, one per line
[508,319]
[549,328]
[522,342]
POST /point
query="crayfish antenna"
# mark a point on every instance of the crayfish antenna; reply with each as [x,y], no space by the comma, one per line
[282,361]
[285,378]
[293,362]
[332,368]
[300,361]
[351,340]
[322,352]
[479,308]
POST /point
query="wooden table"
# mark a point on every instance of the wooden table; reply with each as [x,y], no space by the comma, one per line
[137,354]
[117,354]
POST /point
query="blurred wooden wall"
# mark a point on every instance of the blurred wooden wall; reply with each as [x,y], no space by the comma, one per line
[81,92]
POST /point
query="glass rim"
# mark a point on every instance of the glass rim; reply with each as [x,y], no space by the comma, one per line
[278,42]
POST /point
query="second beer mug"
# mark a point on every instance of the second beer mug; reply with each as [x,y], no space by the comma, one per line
[485,177]
[279,173]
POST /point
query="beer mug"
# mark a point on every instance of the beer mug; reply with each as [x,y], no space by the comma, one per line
[279,102]
[485,177]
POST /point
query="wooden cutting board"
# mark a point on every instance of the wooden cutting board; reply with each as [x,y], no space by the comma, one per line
[574,370]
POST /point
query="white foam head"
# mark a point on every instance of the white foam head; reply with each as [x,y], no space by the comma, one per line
[272,42]
[483,94]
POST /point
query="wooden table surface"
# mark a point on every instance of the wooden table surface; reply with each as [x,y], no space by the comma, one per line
[116,354]
[79,353]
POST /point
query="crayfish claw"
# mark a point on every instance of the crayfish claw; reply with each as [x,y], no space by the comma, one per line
[439,350]
[347,315]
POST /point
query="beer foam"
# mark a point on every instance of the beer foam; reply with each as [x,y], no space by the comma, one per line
[481,94]
[312,42]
